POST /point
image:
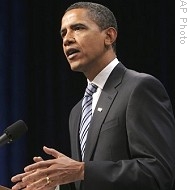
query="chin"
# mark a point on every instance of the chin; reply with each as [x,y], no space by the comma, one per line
[75,67]
[79,66]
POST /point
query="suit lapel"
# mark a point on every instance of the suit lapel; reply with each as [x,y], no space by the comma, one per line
[105,101]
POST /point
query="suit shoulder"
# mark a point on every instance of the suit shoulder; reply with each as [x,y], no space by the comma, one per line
[138,75]
[134,81]
[142,78]
[142,81]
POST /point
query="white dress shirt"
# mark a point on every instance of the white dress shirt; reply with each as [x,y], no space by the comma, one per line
[100,81]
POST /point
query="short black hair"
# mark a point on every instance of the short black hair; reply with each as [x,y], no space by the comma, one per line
[100,14]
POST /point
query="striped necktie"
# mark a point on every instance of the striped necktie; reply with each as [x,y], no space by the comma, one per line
[86,115]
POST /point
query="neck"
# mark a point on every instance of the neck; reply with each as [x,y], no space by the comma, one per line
[94,71]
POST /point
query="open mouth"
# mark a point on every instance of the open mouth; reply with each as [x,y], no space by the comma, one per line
[71,52]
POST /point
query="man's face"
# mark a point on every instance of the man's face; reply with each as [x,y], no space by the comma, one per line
[83,41]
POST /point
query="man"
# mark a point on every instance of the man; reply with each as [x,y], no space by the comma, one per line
[129,141]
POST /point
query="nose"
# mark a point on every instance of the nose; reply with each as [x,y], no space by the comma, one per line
[67,40]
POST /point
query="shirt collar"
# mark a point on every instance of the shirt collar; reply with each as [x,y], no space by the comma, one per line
[102,77]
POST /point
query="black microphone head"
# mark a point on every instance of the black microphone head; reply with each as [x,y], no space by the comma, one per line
[15,130]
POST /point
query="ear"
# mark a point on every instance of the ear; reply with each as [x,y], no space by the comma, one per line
[111,35]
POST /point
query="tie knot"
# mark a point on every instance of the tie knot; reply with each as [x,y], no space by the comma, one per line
[90,89]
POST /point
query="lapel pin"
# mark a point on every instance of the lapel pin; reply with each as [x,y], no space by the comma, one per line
[100,109]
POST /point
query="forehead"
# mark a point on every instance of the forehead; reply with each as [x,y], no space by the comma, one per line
[76,16]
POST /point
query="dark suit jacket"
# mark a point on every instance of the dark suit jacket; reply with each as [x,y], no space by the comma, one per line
[130,143]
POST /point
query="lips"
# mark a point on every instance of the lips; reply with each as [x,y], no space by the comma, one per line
[70,52]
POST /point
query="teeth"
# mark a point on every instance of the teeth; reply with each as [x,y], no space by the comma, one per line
[72,51]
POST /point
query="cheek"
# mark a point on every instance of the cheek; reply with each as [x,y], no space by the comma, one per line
[63,49]
[93,45]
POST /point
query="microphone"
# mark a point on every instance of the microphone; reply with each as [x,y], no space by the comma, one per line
[13,132]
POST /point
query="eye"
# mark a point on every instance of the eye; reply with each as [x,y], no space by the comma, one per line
[63,33]
[78,28]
